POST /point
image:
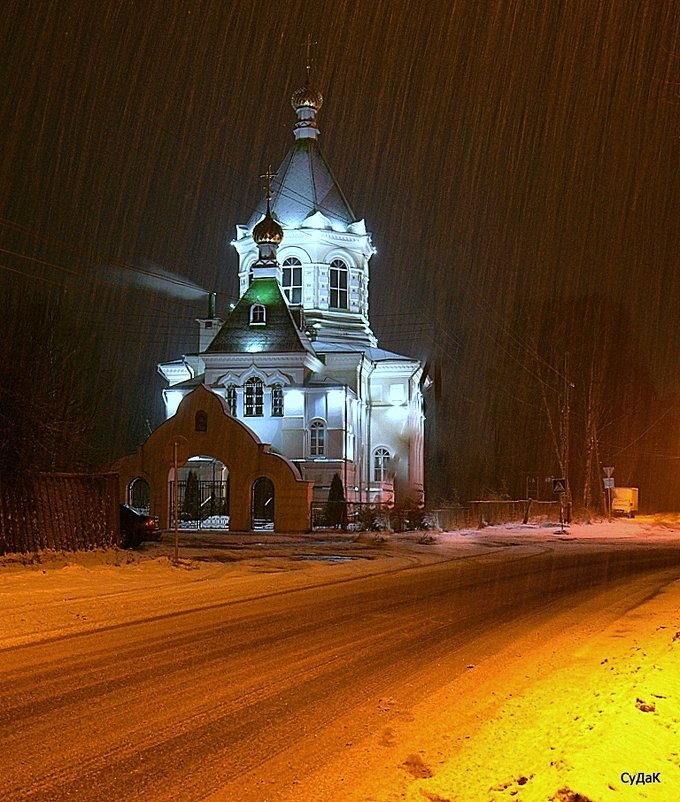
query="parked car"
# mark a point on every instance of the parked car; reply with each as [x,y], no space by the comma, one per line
[136,527]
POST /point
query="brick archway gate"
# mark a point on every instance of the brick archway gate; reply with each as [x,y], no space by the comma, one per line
[203,425]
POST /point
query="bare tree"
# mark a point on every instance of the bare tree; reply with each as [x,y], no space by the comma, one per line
[49,387]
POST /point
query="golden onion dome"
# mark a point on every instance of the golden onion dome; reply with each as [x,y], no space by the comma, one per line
[268,230]
[306,97]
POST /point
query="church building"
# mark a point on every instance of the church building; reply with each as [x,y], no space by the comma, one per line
[296,360]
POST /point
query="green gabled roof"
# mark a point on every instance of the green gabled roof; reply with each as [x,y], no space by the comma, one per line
[278,334]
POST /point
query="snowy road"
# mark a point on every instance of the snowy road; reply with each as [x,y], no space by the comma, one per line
[288,695]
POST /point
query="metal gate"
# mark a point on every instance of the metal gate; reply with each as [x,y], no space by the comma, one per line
[201,503]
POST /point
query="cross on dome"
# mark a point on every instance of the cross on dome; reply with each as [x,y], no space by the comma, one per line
[268,232]
[268,176]
[308,59]
[306,101]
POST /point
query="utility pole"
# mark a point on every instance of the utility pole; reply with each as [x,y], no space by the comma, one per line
[175,499]
[566,411]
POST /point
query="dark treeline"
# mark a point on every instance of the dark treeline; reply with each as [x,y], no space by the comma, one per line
[564,391]
[54,387]
[78,386]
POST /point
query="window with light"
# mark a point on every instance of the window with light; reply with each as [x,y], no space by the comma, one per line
[253,398]
[291,280]
[317,439]
[338,284]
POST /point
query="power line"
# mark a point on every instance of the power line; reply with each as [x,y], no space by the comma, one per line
[91,257]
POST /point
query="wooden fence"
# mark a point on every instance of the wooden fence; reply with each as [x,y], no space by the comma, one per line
[59,512]
[488,513]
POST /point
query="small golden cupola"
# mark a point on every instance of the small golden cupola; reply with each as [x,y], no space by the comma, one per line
[267,235]
[306,102]
[306,97]
[268,231]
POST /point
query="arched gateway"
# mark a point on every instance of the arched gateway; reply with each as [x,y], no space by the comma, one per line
[203,425]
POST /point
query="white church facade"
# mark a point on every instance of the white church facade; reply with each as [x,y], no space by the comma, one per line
[296,360]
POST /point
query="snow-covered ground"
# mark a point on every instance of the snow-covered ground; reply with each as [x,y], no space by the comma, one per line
[586,709]
[576,712]
[593,715]
[571,712]
[657,528]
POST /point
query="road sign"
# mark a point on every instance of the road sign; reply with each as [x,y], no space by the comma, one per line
[559,486]
[608,483]
[609,472]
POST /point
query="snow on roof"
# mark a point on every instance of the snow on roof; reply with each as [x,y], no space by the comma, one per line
[373,353]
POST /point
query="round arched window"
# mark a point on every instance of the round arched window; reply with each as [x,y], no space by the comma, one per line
[291,279]
[317,439]
[258,314]
[338,284]
[381,461]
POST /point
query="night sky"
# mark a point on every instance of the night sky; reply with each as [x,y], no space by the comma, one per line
[516,161]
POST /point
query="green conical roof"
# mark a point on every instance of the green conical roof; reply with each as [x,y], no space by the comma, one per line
[279,333]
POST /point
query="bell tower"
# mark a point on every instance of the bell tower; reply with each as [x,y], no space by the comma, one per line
[326,250]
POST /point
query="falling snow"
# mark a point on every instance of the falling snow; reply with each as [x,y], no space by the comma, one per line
[569,697]
[516,161]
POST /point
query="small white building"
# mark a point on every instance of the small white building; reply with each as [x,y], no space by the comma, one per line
[296,359]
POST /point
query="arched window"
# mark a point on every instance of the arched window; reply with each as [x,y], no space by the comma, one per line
[253,398]
[381,461]
[201,421]
[138,494]
[292,279]
[231,398]
[338,284]
[317,439]
[277,400]
[258,314]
